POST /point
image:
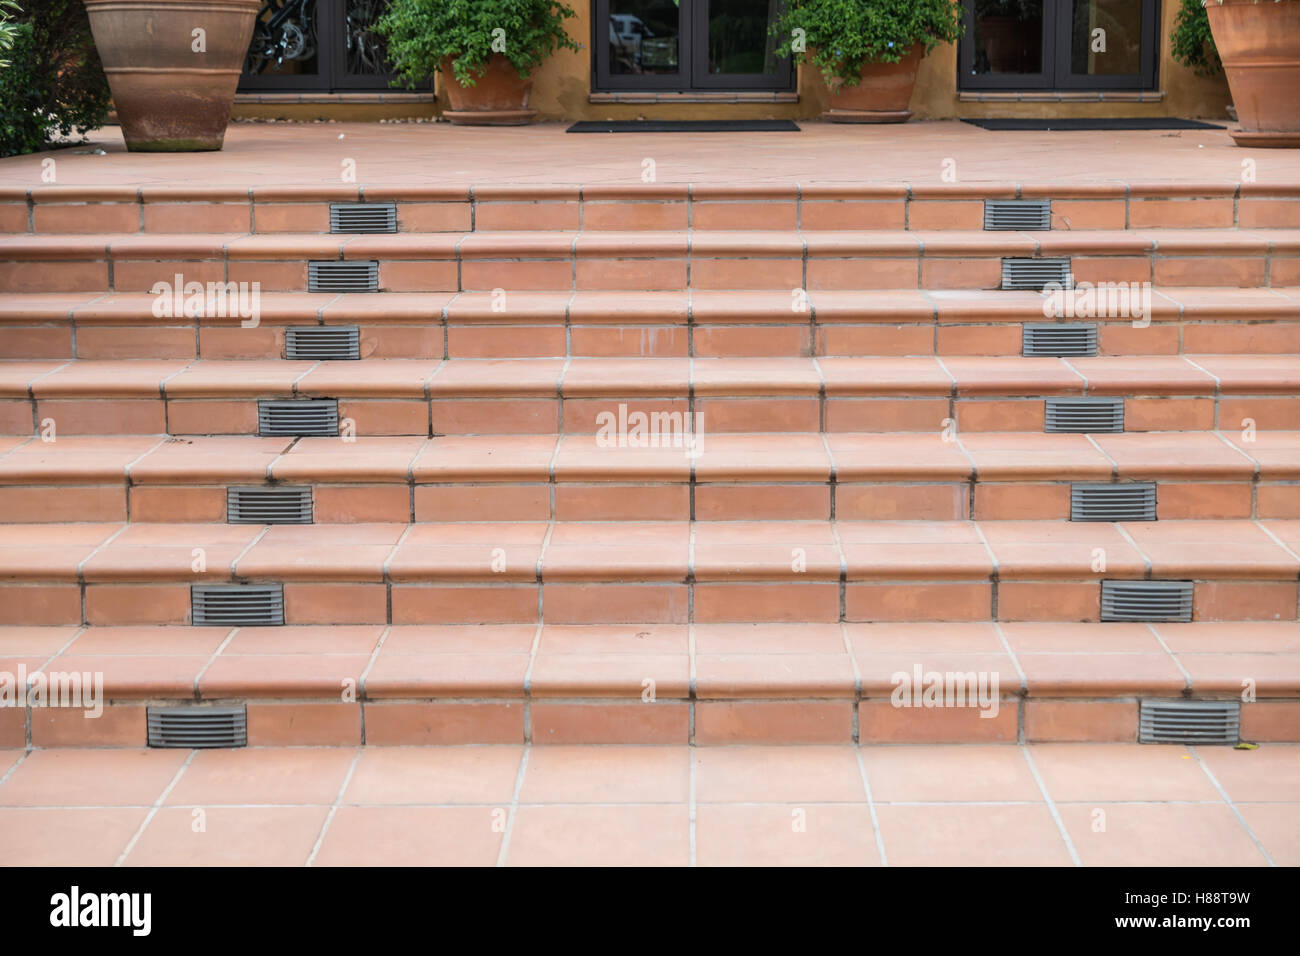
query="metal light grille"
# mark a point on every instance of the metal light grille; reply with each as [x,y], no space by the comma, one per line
[1060,339]
[195,727]
[274,505]
[1030,214]
[1130,501]
[1035,274]
[1084,415]
[306,417]
[1146,600]
[363,217]
[235,604]
[332,276]
[322,342]
[1189,721]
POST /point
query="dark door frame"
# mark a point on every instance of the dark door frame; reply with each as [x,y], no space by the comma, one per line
[1056,41]
[692,59]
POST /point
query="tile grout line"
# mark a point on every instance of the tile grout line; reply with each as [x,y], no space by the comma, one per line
[1051,805]
[334,807]
[153,810]
[691,806]
[514,804]
[871,805]
[1231,806]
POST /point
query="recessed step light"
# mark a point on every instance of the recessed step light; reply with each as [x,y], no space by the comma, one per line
[363,217]
[1018,214]
[237,604]
[1084,415]
[1059,339]
[337,276]
[1035,275]
[1146,600]
[322,342]
[1189,721]
[276,504]
[1127,501]
[298,417]
[196,727]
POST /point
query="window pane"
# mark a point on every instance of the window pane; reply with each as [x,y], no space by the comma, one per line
[366,51]
[1106,37]
[643,36]
[284,39]
[739,41]
[1008,36]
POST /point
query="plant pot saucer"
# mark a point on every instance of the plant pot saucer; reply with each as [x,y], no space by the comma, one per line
[868,116]
[1264,140]
[490,117]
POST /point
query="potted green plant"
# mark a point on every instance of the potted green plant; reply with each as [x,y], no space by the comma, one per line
[483,51]
[1259,46]
[173,66]
[867,50]
[1191,43]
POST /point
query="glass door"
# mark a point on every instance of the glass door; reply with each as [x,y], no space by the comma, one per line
[687,45]
[1058,45]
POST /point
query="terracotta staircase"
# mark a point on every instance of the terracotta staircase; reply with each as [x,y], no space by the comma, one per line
[470,559]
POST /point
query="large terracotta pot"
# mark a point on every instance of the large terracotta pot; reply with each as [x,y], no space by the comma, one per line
[170,97]
[883,94]
[498,98]
[1259,44]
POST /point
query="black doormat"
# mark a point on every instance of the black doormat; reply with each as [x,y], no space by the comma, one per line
[684,126]
[1091,123]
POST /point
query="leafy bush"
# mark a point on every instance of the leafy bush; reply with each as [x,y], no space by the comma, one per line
[1191,42]
[423,33]
[8,28]
[54,85]
[842,35]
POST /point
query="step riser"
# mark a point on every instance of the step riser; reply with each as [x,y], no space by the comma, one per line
[127,210]
[558,339]
[658,271]
[565,602]
[548,416]
[610,500]
[668,720]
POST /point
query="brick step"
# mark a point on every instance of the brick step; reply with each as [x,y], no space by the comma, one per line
[650,206]
[651,260]
[644,572]
[706,324]
[655,683]
[852,476]
[584,396]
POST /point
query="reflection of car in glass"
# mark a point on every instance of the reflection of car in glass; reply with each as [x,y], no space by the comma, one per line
[625,33]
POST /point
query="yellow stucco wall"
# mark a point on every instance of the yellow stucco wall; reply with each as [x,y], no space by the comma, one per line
[562,85]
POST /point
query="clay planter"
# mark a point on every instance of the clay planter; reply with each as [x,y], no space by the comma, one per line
[169,97]
[498,98]
[883,94]
[1259,44]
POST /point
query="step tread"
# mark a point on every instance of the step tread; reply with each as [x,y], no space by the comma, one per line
[672,551]
[700,662]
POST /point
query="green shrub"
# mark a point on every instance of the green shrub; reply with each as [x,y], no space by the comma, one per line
[1191,42]
[842,35]
[8,28]
[54,85]
[422,33]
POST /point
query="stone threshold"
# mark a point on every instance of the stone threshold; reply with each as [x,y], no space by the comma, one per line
[653,96]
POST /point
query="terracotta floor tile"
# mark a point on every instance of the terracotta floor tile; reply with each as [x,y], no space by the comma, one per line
[411,836]
[1270,773]
[1162,834]
[1238,549]
[486,458]
[434,775]
[1064,637]
[774,457]
[887,457]
[137,675]
[1174,455]
[586,377]
[282,675]
[505,377]
[76,458]
[957,773]
[91,778]
[600,836]
[992,375]
[386,459]
[370,378]
[67,837]
[347,552]
[469,551]
[1278,453]
[1076,773]
[884,376]
[774,675]
[1004,456]
[210,379]
[818,835]
[210,459]
[612,774]
[257,775]
[1034,549]
[460,639]
[244,836]
[157,641]
[34,641]
[963,638]
[1142,374]
[1239,636]
[627,550]
[1102,675]
[765,549]
[591,639]
[811,774]
[905,549]
[1274,826]
[966,835]
[769,638]
[584,458]
[148,552]
[446,675]
[291,639]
